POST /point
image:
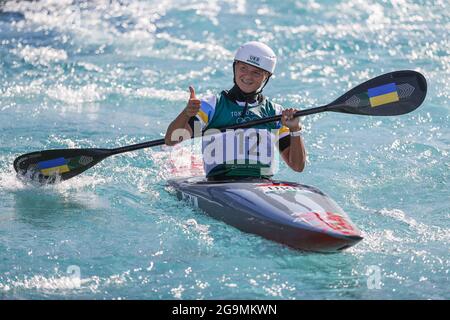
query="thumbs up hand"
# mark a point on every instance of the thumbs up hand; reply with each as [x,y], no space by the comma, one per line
[193,105]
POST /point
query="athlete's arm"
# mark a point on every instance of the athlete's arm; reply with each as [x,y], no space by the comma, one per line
[180,129]
[295,154]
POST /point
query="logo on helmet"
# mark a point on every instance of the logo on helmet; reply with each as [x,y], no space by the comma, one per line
[254,60]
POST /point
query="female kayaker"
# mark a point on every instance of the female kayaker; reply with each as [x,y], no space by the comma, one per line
[247,152]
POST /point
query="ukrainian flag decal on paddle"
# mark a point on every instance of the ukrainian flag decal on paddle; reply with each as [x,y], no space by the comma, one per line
[54,166]
[383,94]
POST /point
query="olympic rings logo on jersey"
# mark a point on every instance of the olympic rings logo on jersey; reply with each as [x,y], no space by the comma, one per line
[245,119]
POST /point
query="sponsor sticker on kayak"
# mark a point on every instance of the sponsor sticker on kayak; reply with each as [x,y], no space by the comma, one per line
[189,198]
[278,187]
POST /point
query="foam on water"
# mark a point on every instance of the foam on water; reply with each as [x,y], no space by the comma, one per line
[85,74]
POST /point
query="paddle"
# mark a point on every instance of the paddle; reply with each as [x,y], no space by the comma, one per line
[390,94]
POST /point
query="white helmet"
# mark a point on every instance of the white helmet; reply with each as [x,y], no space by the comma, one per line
[257,54]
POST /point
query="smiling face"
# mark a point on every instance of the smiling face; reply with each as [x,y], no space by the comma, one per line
[249,78]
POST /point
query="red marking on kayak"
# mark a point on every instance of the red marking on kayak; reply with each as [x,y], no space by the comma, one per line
[326,221]
[336,222]
[276,185]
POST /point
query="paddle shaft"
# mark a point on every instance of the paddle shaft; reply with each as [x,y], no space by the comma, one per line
[276,118]
[138,146]
[247,124]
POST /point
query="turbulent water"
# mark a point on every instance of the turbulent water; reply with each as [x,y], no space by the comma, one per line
[113,73]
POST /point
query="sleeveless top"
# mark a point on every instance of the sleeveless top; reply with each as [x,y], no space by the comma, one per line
[241,152]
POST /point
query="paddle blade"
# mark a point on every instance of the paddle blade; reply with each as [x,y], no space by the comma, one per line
[52,166]
[390,94]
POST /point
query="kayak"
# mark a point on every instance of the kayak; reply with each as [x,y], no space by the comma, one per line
[296,215]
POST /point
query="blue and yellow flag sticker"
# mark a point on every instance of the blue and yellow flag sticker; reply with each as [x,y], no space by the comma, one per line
[54,166]
[383,94]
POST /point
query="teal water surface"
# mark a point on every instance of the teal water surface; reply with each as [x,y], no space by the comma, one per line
[112,73]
